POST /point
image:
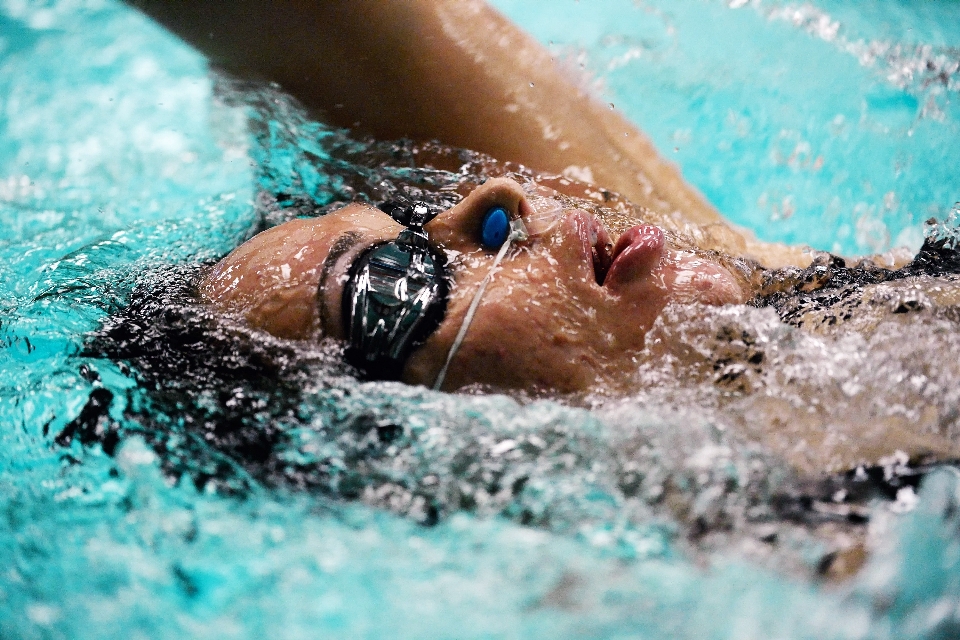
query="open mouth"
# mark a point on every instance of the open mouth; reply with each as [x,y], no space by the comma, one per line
[637,251]
[597,244]
[602,253]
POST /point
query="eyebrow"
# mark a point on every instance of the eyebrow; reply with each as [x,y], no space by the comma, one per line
[341,245]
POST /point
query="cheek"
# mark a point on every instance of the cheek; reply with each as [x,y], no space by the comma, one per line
[526,340]
[523,335]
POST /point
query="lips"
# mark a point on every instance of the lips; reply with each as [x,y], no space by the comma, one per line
[636,254]
[595,242]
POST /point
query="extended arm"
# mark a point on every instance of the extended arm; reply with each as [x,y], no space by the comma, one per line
[451,70]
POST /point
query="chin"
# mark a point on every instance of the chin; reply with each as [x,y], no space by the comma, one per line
[693,279]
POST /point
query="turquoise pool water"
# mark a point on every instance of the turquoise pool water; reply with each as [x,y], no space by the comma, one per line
[118,160]
[829,123]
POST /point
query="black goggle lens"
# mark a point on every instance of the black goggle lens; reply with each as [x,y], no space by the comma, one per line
[395,297]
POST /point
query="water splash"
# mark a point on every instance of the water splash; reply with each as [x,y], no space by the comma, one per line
[580,518]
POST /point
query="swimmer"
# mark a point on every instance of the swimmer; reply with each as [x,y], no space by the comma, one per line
[461,73]
[514,287]
[543,296]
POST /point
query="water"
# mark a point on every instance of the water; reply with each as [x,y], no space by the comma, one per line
[822,123]
[349,509]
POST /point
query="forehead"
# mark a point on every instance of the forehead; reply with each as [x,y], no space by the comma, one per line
[307,241]
[360,219]
[320,242]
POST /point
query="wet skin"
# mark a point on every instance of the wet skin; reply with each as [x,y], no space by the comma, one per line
[567,309]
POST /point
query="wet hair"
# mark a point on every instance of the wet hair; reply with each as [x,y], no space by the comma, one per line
[214,391]
[221,404]
[828,291]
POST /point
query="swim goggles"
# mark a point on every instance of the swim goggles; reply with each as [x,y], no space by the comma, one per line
[396,292]
[395,296]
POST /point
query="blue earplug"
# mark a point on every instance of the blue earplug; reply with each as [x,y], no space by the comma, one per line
[495,227]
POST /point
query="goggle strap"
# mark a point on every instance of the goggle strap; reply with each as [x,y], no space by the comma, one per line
[518,233]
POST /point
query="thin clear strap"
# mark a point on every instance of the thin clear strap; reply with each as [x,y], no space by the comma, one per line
[518,233]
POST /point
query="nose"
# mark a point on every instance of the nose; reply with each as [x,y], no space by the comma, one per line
[459,227]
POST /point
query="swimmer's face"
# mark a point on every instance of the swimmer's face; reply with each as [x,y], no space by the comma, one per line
[567,309]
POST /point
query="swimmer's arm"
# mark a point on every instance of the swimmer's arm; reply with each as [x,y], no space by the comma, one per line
[451,70]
